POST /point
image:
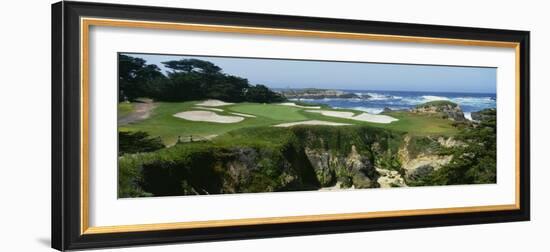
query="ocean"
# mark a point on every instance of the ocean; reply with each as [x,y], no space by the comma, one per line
[378,100]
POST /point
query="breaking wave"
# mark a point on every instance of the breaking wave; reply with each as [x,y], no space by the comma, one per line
[380,97]
[374,102]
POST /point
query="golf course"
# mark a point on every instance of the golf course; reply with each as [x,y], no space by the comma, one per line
[164,123]
[197,130]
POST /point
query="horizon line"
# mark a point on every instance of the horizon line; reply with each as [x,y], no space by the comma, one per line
[380,90]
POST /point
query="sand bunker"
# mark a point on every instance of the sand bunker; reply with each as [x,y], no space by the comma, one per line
[311,122]
[207,116]
[340,114]
[374,118]
[213,103]
[365,117]
[211,109]
[292,104]
[241,114]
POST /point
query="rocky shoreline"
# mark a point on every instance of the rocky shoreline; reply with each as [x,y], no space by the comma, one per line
[445,109]
[314,93]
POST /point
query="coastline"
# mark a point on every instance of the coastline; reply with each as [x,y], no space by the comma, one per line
[375,101]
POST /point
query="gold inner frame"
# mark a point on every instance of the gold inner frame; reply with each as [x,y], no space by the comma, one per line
[85,24]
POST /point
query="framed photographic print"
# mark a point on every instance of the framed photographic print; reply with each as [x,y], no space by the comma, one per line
[179,125]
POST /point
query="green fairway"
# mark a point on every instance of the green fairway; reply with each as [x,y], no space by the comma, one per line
[162,122]
[416,124]
[271,112]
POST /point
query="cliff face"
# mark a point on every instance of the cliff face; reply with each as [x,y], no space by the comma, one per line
[419,164]
[351,170]
[314,159]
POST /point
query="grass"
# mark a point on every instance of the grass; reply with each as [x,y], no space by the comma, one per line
[162,122]
[273,112]
[422,125]
[437,104]
[125,108]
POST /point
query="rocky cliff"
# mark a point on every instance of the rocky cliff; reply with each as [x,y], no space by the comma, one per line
[351,170]
[418,164]
[484,115]
[312,158]
[444,109]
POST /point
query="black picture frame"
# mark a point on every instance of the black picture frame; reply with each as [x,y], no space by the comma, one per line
[66,156]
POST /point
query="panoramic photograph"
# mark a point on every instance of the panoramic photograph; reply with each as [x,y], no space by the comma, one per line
[201,125]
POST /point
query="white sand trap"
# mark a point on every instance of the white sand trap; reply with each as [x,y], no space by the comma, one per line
[339,114]
[365,117]
[241,114]
[207,116]
[311,122]
[292,104]
[211,109]
[374,118]
[213,103]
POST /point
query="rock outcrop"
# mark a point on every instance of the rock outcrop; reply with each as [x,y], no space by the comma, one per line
[484,115]
[354,170]
[389,110]
[444,109]
[417,165]
[390,178]
[245,162]
[361,170]
[449,142]
[314,93]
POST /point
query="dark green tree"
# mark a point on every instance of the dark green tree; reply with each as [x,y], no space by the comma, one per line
[261,93]
[192,65]
[136,78]
[187,79]
[192,79]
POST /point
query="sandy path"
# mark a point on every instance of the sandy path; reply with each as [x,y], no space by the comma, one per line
[292,104]
[365,117]
[141,112]
[207,116]
[311,122]
[213,103]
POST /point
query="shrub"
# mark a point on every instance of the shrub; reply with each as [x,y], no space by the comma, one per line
[139,141]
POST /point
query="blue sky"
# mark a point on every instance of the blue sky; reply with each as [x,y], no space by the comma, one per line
[345,75]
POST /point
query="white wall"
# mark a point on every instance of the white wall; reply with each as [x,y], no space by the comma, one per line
[25,125]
